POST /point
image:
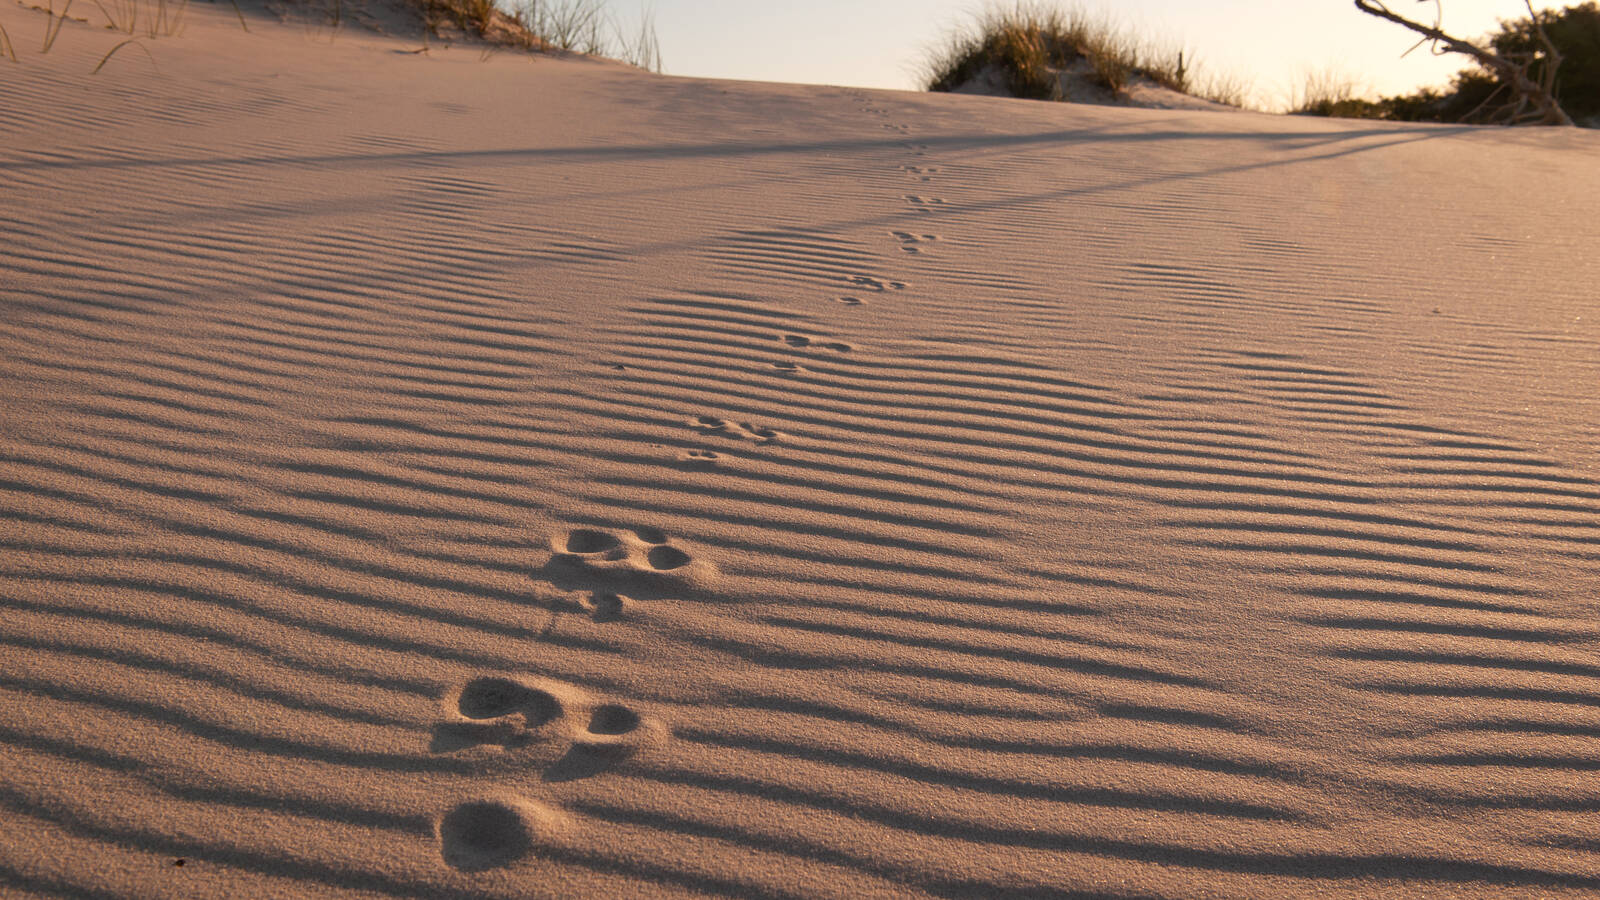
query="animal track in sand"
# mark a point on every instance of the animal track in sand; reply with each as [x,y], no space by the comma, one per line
[490,832]
[499,711]
[850,301]
[605,606]
[795,340]
[924,204]
[909,241]
[745,431]
[599,546]
[586,540]
[485,834]
[699,457]
[614,733]
[923,173]
[665,558]
[874,284]
[540,724]
[612,719]
[612,567]
[493,698]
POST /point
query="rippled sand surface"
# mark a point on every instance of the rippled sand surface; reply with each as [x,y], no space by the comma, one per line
[425,475]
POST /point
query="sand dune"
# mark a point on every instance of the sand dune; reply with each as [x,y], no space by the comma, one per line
[437,475]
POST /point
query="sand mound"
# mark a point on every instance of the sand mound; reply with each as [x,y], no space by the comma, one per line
[1077,84]
[433,475]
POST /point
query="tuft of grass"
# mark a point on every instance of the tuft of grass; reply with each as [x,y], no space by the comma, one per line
[158,18]
[1170,70]
[586,26]
[580,26]
[1023,43]
[642,49]
[577,26]
[1229,90]
[474,17]
[1329,92]
[1031,42]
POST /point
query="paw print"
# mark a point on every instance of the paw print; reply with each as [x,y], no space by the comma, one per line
[746,431]
[608,569]
[497,711]
[699,458]
[526,723]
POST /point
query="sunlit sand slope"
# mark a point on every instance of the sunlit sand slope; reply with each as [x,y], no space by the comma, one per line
[433,475]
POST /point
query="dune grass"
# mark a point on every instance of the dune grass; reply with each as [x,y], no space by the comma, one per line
[1029,43]
[577,26]
[1327,92]
[130,42]
[586,26]
[53,24]
[1226,89]
[158,18]
[581,26]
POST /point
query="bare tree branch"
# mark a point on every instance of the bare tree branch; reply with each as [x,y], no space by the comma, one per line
[1514,73]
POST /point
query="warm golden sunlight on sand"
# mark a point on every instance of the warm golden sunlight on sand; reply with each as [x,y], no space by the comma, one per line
[446,474]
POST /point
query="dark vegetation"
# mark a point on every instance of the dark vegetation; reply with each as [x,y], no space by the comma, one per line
[1479,94]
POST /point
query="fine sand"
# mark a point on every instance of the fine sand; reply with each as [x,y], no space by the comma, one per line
[433,475]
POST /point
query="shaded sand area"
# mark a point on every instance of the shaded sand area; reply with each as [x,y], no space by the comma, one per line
[428,475]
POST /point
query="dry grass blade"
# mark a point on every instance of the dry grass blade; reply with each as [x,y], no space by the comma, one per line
[134,42]
[168,19]
[51,33]
[1229,90]
[121,15]
[644,50]
[5,44]
[576,25]
[161,18]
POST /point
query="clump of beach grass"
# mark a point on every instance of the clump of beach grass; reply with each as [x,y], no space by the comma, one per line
[1030,43]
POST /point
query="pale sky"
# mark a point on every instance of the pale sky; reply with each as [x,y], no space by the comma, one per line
[877,43]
